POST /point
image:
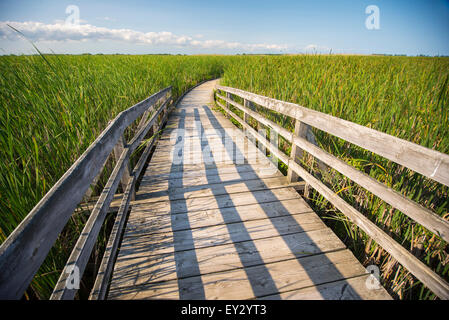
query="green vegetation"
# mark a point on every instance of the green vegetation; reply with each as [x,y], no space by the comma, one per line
[53,107]
[402,96]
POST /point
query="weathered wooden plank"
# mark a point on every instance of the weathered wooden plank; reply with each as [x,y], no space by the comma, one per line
[249,283]
[428,162]
[160,192]
[22,253]
[348,289]
[135,141]
[215,202]
[94,182]
[425,217]
[212,178]
[164,241]
[155,173]
[135,268]
[211,158]
[210,154]
[210,143]
[83,248]
[156,168]
[140,221]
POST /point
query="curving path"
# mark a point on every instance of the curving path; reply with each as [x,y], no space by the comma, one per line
[215,219]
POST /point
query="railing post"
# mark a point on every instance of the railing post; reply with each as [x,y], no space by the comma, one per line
[246,103]
[297,153]
[118,149]
[245,131]
[89,191]
[229,96]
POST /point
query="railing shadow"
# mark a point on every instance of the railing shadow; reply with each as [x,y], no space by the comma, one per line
[172,265]
[183,294]
[315,277]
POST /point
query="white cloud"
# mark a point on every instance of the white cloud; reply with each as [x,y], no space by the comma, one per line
[316,48]
[106,19]
[60,31]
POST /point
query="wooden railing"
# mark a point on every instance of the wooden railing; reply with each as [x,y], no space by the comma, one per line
[430,163]
[25,249]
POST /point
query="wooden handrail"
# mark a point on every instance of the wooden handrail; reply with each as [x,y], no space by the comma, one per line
[425,217]
[428,162]
[25,249]
[100,287]
[366,138]
[83,248]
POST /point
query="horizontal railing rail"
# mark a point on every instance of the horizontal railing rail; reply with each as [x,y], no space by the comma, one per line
[430,163]
[27,246]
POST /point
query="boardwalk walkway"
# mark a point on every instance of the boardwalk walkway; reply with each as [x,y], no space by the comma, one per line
[215,219]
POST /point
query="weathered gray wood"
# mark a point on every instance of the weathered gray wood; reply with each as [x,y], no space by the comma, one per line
[83,247]
[100,287]
[297,154]
[118,149]
[94,182]
[215,202]
[135,141]
[22,253]
[151,109]
[157,172]
[140,223]
[416,267]
[104,272]
[211,179]
[229,96]
[160,192]
[428,162]
[423,216]
[162,243]
[433,281]
[301,130]
[219,258]
[288,276]
[304,129]
[348,289]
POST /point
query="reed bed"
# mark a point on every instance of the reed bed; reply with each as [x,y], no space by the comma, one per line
[53,107]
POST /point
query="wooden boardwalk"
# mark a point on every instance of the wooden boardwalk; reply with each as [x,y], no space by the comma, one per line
[214,219]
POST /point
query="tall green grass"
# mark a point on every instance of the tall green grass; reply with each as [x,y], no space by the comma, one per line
[53,107]
[406,97]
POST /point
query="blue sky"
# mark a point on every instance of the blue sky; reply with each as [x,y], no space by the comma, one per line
[228,27]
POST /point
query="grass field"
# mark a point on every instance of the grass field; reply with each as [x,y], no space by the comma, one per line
[53,107]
